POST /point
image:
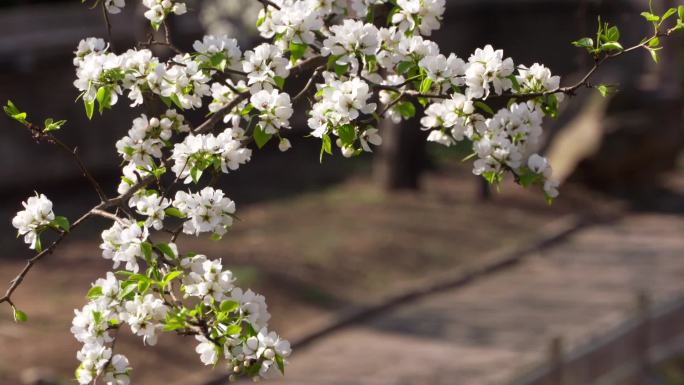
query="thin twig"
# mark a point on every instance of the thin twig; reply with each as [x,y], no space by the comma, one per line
[108,24]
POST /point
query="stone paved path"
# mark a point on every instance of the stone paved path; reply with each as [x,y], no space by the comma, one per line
[488,331]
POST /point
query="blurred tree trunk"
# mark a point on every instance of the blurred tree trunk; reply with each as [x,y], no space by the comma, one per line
[402,157]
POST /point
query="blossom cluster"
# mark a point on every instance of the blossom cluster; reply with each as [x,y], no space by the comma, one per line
[362,69]
[259,351]
[35,217]
[207,211]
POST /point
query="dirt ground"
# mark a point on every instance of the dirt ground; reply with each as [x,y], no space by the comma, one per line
[312,255]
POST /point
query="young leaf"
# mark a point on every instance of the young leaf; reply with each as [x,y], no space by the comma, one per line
[280,363]
[279,81]
[89,108]
[260,137]
[425,85]
[166,249]
[586,42]
[229,306]
[297,51]
[51,125]
[170,277]
[667,14]
[484,107]
[62,223]
[612,46]
[146,249]
[19,316]
[104,98]
[347,134]
[94,292]
[406,109]
[326,146]
[174,212]
[13,112]
[650,17]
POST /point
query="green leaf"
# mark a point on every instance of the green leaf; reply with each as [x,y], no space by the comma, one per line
[51,125]
[229,306]
[586,42]
[341,69]
[218,61]
[173,324]
[667,14]
[19,316]
[176,101]
[484,107]
[248,108]
[680,12]
[195,174]
[11,109]
[654,53]
[13,112]
[260,21]
[279,81]
[280,363]
[62,223]
[526,178]
[146,249]
[404,67]
[493,177]
[347,134]
[89,108]
[216,237]
[171,276]
[612,34]
[603,89]
[407,109]
[297,51]
[612,46]
[166,249]
[37,245]
[260,137]
[174,212]
[128,288]
[654,43]
[143,286]
[104,98]
[233,330]
[425,85]
[326,146]
[650,17]
[94,292]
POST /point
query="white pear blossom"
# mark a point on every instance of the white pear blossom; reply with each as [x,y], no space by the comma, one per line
[425,15]
[122,243]
[158,10]
[207,351]
[225,147]
[219,51]
[351,39]
[284,144]
[145,315]
[207,211]
[207,279]
[36,215]
[114,6]
[488,67]
[152,206]
[263,65]
[275,110]
[252,306]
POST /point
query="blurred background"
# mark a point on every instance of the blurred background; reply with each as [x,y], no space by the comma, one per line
[395,268]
